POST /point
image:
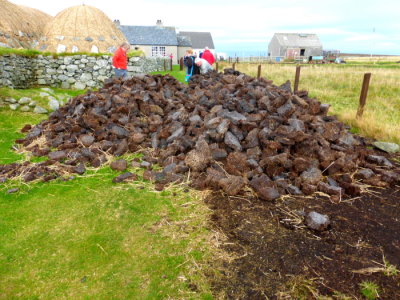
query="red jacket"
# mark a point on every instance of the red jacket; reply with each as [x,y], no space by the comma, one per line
[208,56]
[120,60]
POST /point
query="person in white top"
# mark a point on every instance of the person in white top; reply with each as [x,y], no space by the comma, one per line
[203,65]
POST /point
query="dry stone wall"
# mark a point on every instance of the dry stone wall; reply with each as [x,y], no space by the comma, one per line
[17,71]
[77,72]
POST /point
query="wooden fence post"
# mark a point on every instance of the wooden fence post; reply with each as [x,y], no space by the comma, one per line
[363,95]
[181,64]
[233,66]
[165,67]
[296,80]
[170,64]
[259,72]
[216,67]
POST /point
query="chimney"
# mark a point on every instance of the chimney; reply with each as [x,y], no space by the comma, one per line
[159,23]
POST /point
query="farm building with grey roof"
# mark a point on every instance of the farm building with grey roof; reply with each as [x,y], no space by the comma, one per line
[199,40]
[160,40]
[154,41]
[291,45]
[150,35]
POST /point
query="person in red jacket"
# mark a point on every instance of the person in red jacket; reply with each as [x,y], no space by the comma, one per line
[120,60]
[208,56]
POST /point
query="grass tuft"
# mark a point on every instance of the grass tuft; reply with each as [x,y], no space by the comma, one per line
[390,270]
[299,287]
[369,290]
[35,53]
[20,52]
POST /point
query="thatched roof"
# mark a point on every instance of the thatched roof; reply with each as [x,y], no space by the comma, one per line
[81,28]
[20,26]
[37,19]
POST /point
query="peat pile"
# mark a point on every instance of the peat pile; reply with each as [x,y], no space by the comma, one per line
[230,130]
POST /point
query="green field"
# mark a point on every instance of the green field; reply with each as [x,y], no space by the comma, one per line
[180,75]
[89,238]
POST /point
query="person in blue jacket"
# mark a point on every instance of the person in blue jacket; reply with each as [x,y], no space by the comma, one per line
[189,62]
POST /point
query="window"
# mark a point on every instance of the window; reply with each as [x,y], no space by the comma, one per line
[302,52]
[154,51]
[161,50]
[158,51]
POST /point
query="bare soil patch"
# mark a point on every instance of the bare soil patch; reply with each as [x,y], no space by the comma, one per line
[275,254]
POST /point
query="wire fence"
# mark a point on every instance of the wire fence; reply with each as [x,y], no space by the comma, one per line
[265,59]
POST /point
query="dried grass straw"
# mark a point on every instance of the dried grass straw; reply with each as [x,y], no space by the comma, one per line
[77,23]
[16,18]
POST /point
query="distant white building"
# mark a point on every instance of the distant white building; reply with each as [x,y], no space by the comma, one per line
[221,56]
[154,41]
[291,45]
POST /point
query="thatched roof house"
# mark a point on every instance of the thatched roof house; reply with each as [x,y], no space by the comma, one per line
[20,26]
[81,28]
[37,20]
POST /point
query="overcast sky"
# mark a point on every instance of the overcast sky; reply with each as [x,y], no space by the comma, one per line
[246,27]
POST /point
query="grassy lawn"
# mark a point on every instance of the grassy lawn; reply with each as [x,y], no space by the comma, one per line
[179,75]
[10,123]
[340,86]
[89,238]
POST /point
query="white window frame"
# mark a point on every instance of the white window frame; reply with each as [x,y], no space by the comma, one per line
[161,50]
[154,50]
[158,51]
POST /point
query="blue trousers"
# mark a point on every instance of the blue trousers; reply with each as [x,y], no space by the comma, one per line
[121,73]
